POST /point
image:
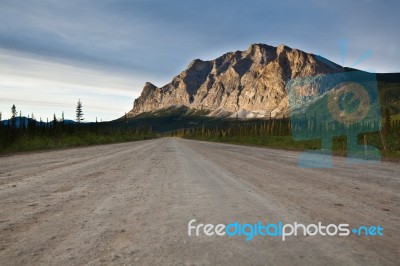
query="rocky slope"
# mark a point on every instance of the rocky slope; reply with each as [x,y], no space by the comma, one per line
[248,83]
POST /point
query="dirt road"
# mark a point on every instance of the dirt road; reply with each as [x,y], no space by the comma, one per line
[131,203]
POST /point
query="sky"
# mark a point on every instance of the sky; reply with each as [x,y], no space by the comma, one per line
[54,52]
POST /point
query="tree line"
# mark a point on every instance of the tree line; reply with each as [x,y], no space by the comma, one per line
[26,133]
[304,129]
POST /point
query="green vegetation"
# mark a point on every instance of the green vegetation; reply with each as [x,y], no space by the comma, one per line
[27,134]
[277,134]
[395,117]
[26,142]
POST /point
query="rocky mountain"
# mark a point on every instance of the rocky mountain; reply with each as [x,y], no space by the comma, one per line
[248,83]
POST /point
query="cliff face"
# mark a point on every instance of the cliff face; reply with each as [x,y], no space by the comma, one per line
[247,83]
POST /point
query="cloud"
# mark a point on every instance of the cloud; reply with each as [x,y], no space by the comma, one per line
[107,49]
[46,87]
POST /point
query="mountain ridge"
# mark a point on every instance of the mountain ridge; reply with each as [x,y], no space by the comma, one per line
[241,83]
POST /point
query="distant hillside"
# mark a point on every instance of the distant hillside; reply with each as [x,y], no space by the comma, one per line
[25,121]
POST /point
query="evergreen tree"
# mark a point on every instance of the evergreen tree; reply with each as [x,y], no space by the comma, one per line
[125,121]
[54,121]
[21,121]
[13,115]
[79,112]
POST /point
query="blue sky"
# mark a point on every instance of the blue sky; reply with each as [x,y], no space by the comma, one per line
[54,52]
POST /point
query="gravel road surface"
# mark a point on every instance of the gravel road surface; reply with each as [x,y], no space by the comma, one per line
[130,204]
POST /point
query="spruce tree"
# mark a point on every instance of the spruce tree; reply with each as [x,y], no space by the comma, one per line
[13,115]
[54,121]
[79,112]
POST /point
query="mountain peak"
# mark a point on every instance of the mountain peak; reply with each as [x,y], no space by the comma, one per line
[259,46]
[149,85]
[237,82]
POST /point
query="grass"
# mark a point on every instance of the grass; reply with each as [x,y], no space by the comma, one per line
[395,117]
[339,144]
[26,143]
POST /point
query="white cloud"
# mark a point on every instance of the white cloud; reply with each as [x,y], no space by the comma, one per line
[44,88]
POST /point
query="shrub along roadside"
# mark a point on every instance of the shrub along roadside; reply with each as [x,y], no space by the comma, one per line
[27,143]
[278,132]
[339,145]
[39,136]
